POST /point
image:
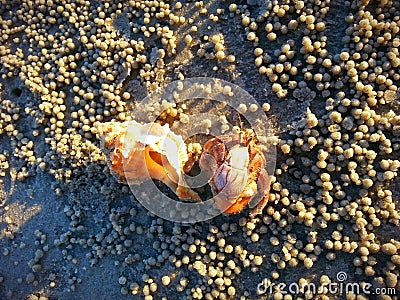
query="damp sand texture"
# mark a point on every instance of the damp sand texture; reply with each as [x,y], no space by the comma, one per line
[326,73]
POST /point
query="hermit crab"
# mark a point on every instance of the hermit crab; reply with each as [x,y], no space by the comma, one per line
[138,152]
[236,167]
[234,164]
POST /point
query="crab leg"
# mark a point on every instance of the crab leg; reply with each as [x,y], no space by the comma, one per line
[168,175]
[184,192]
[263,184]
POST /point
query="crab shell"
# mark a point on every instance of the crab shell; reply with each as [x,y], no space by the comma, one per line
[236,166]
[137,152]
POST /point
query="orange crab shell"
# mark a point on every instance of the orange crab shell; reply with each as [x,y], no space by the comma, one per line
[139,152]
[236,207]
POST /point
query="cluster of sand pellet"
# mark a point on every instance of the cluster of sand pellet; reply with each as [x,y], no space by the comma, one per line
[67,66]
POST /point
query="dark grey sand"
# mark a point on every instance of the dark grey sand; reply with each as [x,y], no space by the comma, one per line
[329,71]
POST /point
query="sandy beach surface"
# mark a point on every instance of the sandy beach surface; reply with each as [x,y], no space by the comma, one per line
[325,74]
